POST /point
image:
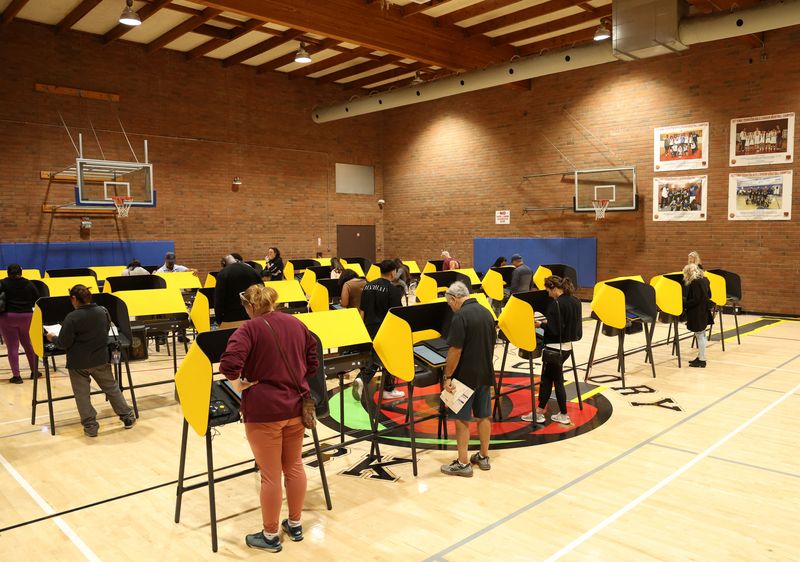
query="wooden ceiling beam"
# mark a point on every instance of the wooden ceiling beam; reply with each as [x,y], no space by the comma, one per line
[411,9]
[213,31]
[330,62]
[381,76]
[358,69]
[553,26]
[263,47]
[11,11]
[522,15]
[76,15]
[352,21]
[560,42]
[182,29]
[289,57]
[213,44]
[474,10]
[144,12]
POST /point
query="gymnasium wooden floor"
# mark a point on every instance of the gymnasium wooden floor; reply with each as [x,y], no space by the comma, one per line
[717,479]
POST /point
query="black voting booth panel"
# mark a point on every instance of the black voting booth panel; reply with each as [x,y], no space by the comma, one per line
[41,286]
[136,282]
[673,321]
[507,271]
[334,289]
[321,271]
[563,271]
[641,312]
[300,265]
[438,264]
[363,262]
[151,268]
[447,278]
[733,290]
[72,272]
[213,345]
[255,265]
[54,310]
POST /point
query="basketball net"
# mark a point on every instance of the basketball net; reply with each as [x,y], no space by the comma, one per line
[600,206]
[123,204]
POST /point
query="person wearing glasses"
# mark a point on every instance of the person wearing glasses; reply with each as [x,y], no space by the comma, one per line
[84,336]
[470,360]
[562,326]
[268,359]
[236,277]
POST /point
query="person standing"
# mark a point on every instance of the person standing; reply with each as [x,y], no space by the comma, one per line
[470,360]
[84,336]
[449,262]
[377,298]
[562,326]
[235,278]
[15,322]
[269,359]
[697,309]
[522,277]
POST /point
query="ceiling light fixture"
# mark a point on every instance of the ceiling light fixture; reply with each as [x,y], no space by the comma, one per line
[302,55]
[602,32]
[129,15]
[417,78]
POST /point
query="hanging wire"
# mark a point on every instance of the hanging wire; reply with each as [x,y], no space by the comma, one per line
[125,134]
[75,146]
[579,124]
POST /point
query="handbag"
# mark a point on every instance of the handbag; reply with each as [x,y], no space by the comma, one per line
[309,406]
[551,356]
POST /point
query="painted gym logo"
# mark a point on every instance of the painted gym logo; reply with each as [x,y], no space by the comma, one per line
[508,429]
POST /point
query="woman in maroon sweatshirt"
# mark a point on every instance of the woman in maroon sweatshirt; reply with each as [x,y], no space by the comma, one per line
[269,358]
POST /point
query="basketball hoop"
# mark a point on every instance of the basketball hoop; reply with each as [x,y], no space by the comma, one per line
[123,204]
[600,206]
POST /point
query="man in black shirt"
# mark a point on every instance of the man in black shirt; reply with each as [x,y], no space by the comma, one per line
[376,300]
[470,360]
[234,278]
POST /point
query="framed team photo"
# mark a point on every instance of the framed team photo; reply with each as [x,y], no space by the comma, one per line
[680,198]
[767,139]
[760,196]
[681,147]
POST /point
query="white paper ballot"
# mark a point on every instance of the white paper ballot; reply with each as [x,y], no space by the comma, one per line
[56,329]
[455,400]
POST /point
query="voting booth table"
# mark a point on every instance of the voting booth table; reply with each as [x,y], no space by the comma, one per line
[50,311]
[206,404]
[517,326]
[291,297]
[624,305]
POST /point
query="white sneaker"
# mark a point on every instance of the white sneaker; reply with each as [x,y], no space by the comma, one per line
[529,418]
[393,394]
[561,418]
[357,388]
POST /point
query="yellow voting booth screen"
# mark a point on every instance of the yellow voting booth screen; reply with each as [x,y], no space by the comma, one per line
[193,383]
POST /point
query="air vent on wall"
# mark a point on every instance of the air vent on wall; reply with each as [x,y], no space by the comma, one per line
[646,28]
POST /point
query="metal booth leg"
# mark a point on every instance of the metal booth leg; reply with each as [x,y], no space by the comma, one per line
[411,428]
[575,375]
[49,401]
[721,330]
[591,352]
[212,505]
[130,382]
[181,472]
[497,411]
[321,469]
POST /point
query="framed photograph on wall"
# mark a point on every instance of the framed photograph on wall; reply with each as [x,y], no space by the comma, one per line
[767,139]
[760,196]
[680,198]
[681,147]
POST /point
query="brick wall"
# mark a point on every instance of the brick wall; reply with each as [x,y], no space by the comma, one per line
[449,164]
[443,167]
[205,124]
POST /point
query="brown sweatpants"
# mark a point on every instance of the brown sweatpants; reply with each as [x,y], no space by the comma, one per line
[277,447]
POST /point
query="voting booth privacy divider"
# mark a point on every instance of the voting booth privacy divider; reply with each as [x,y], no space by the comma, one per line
[199,394]
[49,311]
[731,287]
[60,286]
[434,282]
[624,305]
[30,274]
[558,269]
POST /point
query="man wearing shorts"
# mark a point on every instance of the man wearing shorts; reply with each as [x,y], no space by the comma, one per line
[470,360]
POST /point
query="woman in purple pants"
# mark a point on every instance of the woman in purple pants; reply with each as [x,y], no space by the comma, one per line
[15,322]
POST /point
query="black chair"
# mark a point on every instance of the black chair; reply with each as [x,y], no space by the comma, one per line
[72,272]
[136,282]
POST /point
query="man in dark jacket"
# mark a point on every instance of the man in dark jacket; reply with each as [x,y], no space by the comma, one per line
[235,278]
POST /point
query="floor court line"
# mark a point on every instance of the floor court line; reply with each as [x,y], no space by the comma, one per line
[666,481]
[47,508]
[732,461]
[479,533]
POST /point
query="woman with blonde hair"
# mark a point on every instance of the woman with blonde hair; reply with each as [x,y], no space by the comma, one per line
[269,358]
[697,310]
[694,258]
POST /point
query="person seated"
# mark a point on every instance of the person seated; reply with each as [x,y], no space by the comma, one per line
[134,268]
[171,267]
[274,266]
[336,268]
[351,285]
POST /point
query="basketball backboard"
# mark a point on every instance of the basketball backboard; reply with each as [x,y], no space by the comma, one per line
[617,185]
[100,180]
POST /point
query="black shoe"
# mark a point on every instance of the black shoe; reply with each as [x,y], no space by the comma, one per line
[700,364]
[259,541]
[694,361]
[15,380]
[90,431]
[129,421]
[295,533]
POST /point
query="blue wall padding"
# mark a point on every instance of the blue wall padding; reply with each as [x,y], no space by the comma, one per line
[58,255]
[580,253]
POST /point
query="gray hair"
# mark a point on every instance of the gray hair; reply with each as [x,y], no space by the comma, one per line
[229,259]
[692,272]
[445,254]
[457,291]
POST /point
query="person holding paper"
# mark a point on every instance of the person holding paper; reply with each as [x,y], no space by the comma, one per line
[84,335]
[470,361]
